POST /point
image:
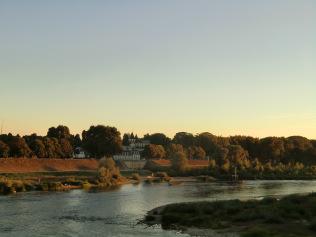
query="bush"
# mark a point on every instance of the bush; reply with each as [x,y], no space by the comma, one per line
[6,187]
[86,185]
[136,176]
[18,186]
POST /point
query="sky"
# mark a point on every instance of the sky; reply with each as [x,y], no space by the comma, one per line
[244,67]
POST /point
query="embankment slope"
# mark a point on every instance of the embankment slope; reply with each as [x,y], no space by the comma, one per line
[24,165]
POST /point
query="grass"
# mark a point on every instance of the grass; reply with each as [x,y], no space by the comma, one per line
[291,216]
[56,181]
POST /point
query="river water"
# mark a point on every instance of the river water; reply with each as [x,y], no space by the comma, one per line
[116,212]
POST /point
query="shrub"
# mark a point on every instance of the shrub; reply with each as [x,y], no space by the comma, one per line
[18,185]
[6,187]
[86,185]
[136,177]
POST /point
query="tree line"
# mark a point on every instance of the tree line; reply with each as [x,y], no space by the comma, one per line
[223,152]
[98,141]
[248,154]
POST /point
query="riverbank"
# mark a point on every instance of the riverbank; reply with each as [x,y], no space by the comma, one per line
[29,165]
[292,215]
[62,181]
[56,181]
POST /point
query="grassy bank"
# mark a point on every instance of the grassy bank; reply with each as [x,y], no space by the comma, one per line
[291,216]
[60,181]
[28,165]
[57,183]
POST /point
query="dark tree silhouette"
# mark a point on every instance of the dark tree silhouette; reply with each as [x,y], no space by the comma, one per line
[4,150]
[125,139]
[102,141]
[158,139]
[184,138]
[59,132]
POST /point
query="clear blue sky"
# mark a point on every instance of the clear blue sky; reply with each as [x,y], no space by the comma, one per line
[227,67]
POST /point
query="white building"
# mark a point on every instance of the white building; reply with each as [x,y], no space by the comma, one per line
[79,153]
[133,151]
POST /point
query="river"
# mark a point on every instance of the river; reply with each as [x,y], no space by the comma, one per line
[116,213]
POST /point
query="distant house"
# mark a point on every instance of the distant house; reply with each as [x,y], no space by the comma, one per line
[80,153]
[133,151]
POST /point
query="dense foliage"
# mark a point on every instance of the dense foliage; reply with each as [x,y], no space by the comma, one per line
[294,155]
[98,141]
[247,154]
[102,141]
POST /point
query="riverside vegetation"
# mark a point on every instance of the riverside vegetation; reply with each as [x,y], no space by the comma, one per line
[292,216]
[266,158]
[107,176]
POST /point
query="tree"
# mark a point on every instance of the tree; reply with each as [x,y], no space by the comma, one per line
[132,136]
[59,132]
[300,149]
[18,147]
[208,142]
[179,162]
[107,170]
[238,156]
[250,144]
[63,141]
[174,148]
[53,149]
[38,148]
[257,166]
[107,163]
[272,148]
[196,152]
[225,167]
[184,138]
[66,148]
[76,141]
[125,139]
[221,155]
[158,139]
[4,150]
[36,144]
[102,141]
[152,151]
